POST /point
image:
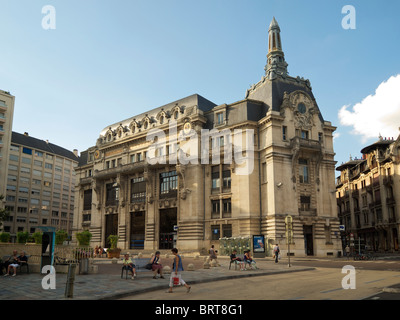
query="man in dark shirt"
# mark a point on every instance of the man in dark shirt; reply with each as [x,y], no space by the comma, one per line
[21,259]
[237,260]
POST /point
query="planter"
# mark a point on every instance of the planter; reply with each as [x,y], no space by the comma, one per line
[113,253]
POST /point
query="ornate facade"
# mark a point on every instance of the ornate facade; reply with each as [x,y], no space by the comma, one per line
[367,197]
[191,172]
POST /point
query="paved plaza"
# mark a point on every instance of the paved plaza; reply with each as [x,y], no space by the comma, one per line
[107,283]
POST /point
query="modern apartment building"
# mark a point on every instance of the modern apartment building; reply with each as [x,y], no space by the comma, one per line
[368,197]
[6,120]
[40,185]
[191,172]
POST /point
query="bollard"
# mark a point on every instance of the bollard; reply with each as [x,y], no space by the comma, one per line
[69,288]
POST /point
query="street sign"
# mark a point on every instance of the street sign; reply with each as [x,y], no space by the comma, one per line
[289,228]
[289,233]
[342,227]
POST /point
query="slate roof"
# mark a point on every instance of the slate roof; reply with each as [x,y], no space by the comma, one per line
[195,99]
[37,144]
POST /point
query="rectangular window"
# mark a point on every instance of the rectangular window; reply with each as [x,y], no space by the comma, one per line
[226,176]
[220,118]
[23,190]
[168,184]
[215,232]
[26,160]
[138,190]
[305,203]
[227,208]
[12,167]
[25,170]
[226,230]
[11,188]
[27,150]
[37,163]
[12,178]
[215,177]
[87,199]
[22,210]
[304,134]
[303,171]
[112,194]
[284,133]
[215,213]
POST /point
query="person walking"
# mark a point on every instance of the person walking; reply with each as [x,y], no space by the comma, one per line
[347,249]
[177,269]
[276,253]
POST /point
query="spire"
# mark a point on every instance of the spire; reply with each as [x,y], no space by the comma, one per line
[276,64]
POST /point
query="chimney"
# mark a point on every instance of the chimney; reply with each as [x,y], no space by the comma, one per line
[26,134]
[76,152]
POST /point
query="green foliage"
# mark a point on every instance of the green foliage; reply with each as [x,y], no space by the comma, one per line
[4,214]
[5,237]
[113,240]
[22,236]
[61,236]
[84,238]
[37,236]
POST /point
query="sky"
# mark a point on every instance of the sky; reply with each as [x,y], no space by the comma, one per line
[89,64]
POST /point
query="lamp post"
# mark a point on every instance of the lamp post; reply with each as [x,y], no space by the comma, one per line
[289,233]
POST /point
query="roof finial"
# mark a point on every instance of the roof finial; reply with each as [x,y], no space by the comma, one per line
[276,64]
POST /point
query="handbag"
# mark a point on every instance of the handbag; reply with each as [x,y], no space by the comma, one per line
[149,266]
[176,281]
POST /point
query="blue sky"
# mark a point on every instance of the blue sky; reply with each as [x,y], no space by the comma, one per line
[108,61]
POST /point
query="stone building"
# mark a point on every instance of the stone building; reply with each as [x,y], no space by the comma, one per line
[191,172]
[40,186]
[368,200]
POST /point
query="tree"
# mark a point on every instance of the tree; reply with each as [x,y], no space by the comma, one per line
[4,213]
[22,236]
[61,236]
[84,238]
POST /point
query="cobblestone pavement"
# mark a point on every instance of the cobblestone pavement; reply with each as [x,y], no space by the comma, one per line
[107,283]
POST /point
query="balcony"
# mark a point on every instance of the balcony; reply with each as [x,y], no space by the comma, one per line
[390,201]
[3,106]
[308,213]
[388,180]
[311,145]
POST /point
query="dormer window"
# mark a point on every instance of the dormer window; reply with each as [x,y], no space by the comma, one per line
[220,118]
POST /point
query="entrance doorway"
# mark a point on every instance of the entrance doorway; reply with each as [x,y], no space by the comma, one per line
[168,219]
[308,240]
[137,230]
[395,239]
[111,227]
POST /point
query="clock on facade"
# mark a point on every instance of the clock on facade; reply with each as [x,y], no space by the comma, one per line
[301,107]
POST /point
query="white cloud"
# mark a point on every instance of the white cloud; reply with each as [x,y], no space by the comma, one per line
[377,114]
[336,135]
